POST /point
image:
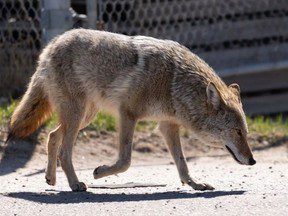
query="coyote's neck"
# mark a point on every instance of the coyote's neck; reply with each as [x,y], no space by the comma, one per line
[191,77]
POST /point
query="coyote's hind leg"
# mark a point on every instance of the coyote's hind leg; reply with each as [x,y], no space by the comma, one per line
[127,125]
[54,141]
[71,118]
[171,134]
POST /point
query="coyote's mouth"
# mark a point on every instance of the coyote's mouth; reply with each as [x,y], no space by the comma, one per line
[233,155]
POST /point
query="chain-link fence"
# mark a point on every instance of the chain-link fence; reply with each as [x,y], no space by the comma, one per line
[20,42]
[236,29]
[245,41]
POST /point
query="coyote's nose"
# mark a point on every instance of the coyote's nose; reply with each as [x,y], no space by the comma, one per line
[252,161]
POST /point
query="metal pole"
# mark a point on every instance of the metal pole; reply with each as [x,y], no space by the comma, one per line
[55,18]
[91,6]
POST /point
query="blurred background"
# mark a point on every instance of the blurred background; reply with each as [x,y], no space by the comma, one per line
[244,41]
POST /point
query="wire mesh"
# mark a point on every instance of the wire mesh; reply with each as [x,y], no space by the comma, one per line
[20,43]
[226,33]
[206,26]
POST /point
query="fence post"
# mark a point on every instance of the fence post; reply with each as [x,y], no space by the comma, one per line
[56,18]
[91,6]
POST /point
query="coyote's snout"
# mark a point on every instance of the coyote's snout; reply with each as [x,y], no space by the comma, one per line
[84,71]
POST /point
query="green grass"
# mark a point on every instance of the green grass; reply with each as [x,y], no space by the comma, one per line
[266,125]
[104,121]
[146,126]
[6,112]
[52,122]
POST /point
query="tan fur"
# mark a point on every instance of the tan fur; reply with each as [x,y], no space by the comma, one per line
[32,111]
[84,71]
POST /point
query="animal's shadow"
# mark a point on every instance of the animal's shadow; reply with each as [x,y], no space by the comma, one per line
[85,197]
[13,159]
[18,153]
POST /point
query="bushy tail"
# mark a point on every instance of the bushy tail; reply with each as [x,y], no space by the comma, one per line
[31,112]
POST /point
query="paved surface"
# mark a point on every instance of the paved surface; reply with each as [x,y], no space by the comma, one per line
[240,190]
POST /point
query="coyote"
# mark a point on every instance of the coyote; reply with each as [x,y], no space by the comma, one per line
[133,77]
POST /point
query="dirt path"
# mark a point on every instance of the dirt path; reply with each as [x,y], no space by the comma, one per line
[240,190]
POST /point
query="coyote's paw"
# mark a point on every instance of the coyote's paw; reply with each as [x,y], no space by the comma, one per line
[100,171]
[50,179]
[78,187]
[201,186]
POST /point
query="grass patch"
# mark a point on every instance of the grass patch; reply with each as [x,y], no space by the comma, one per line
[146,125]
[103,121]
[52,122]
[266,125]
[6,112]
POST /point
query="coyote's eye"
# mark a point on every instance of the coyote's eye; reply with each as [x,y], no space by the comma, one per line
[239,132]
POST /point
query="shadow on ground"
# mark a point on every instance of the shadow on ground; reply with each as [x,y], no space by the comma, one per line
[19,152]
[85,197]
[273,144]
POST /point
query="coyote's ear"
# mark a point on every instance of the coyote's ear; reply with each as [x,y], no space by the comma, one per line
[235,86]
[236,89]
[213,95]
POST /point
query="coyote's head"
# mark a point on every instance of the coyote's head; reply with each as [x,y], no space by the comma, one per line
[225,122]
[227,115]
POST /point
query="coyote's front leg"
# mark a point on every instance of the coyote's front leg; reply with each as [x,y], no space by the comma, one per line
[127,125]
[171,134]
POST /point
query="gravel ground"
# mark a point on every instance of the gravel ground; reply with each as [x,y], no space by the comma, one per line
[240,190]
